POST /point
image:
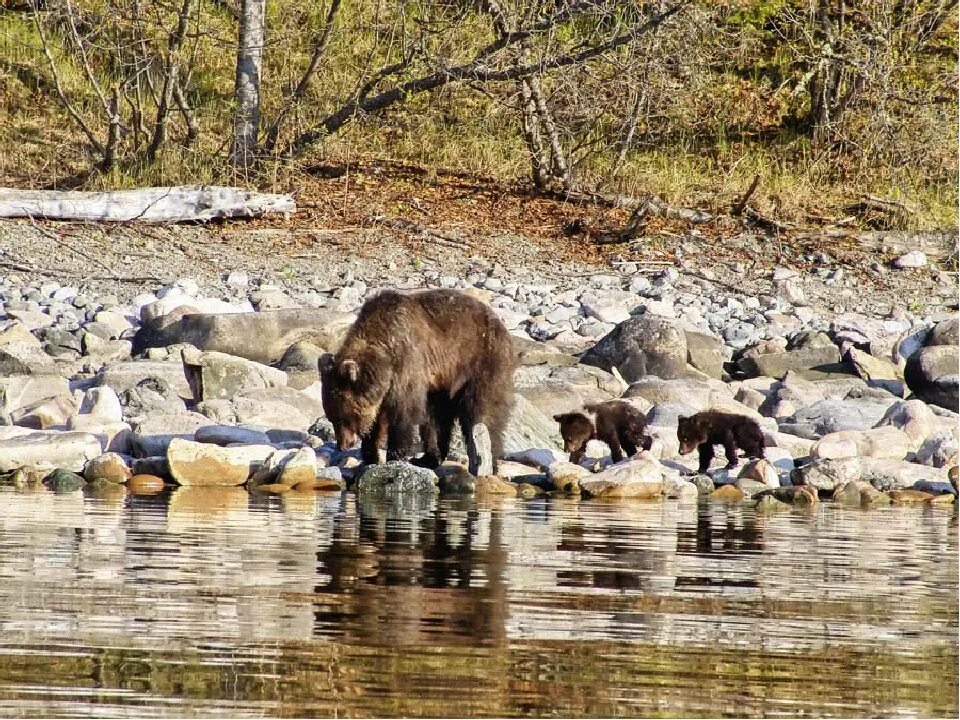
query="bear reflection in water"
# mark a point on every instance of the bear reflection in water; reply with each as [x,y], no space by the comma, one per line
[446,572]
[395,580]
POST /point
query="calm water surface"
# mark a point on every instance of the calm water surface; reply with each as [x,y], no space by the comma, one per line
[218,603]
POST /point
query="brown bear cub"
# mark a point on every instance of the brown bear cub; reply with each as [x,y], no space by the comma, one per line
[619,424]
[706,429]
[426,360]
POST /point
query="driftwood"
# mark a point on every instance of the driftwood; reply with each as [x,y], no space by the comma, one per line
[153,205]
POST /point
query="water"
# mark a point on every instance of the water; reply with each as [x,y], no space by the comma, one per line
[218,603]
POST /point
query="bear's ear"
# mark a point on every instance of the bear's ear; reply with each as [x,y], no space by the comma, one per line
[558,418]
[325,364]
[350,370]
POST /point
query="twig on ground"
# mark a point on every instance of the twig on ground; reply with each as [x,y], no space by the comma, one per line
[429,233]
[740,204]
[51,235]
[766,222]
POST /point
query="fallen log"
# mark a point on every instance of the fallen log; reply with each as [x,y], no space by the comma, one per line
[200,203]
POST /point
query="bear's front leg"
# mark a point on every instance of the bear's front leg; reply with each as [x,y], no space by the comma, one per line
[374,440]
[400,437]
[705,451]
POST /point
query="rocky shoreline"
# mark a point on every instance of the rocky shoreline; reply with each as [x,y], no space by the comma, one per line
[218,385]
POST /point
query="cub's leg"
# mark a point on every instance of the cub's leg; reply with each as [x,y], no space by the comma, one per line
[730,449]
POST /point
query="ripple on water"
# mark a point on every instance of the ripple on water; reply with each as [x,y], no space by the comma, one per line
[223,603]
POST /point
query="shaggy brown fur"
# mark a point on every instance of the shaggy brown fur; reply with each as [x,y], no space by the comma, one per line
[619,424]
[423,359]
[706,429]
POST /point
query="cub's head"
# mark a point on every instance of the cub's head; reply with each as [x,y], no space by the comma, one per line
[352,390]
[691,432]
[575,429]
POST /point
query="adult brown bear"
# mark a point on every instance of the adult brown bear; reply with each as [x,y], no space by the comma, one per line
[422,359]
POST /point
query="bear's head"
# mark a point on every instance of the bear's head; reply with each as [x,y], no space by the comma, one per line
[691,432]
[575,429]
[352,390]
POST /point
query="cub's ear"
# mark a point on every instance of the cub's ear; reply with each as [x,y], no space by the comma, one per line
[325,364]
[558,418]
[350,370]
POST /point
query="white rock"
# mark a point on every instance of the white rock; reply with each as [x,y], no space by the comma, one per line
[102,403]
[611,306]
[510,319]
[113,320]
[203,464]
[884,442]
[226,434]
[679,489]
[939,450]
[914,417]
[152,436]
[913,259]
[17,391]
[641,478]
[537,457]
[70,450]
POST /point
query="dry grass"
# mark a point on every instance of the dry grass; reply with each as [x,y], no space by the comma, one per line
[459,130]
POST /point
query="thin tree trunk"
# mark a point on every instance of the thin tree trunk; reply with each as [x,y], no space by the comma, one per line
[246,125]
[170,80]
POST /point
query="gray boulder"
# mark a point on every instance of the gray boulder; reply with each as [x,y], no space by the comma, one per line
[301,363]
[827,474]
[531,352]
[640,346]
[19,391]
[125,375]
[151,396]
[152,436]
[396,478]
[557,389]
[528,427]
[69,450]
[263,337]
[217,376]
[931,375]
[945,332]
[833,415]
[777,365]
[705,353]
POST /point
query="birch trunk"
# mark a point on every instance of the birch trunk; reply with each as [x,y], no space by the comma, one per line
[247,86]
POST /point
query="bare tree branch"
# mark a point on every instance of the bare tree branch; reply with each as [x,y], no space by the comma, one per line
[68,106]
[475,70]
[300,90]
